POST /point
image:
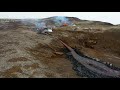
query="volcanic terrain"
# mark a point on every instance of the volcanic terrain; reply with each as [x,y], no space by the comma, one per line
[26,54]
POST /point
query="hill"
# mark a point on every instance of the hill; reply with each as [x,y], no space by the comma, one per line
[26,54]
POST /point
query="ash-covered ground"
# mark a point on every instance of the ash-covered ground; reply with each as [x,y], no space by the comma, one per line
[27,54]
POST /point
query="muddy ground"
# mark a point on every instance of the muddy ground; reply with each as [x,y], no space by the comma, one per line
[26,54]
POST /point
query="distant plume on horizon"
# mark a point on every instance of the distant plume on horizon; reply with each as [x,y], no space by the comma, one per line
[61,20]
[37,22]
[40,23]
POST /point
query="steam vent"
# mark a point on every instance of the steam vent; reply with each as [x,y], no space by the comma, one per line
[59,47]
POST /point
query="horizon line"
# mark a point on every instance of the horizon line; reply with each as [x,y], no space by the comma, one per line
[64,16]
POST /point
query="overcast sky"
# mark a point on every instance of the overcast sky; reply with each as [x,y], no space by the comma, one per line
[112,17]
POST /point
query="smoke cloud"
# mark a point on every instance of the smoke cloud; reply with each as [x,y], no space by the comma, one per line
[40,23]
[59,20]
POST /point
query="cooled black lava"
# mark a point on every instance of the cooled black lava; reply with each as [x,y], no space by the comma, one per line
[82,71]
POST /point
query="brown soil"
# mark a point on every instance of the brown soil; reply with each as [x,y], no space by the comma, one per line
[34,66]
[42,55]
[10,73]
[17,59]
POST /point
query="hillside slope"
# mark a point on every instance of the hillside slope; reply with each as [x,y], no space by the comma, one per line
[26,54]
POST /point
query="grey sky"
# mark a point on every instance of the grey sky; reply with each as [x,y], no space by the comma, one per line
[112,17]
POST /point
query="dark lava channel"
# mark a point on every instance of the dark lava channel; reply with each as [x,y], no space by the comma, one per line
[81,70]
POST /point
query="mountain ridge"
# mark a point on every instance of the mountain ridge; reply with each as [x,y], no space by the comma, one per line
[73,19]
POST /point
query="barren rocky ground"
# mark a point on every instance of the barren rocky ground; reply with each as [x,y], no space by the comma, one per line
[26,54]
[23,53]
